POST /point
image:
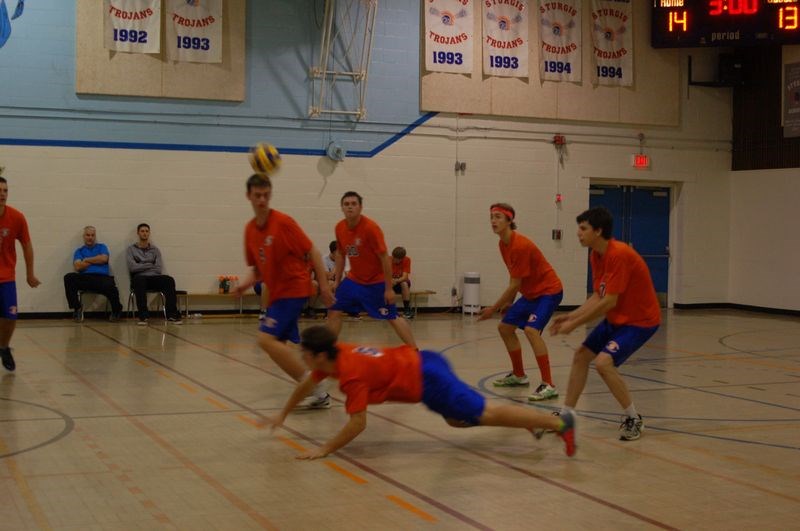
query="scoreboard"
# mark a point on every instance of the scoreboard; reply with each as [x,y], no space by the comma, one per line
[701,23]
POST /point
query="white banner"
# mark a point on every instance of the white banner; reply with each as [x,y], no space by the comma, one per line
[560,40]
[612,38]
[448,36]
[505,38]
[132,25]
[194,30]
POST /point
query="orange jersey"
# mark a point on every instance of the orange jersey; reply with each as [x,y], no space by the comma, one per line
[404,266]
[12,227]
[370,375]
[361,245]
[621,271]
[525,261]
[279,250]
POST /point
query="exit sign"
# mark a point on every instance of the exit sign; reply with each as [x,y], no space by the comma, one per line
[640,161]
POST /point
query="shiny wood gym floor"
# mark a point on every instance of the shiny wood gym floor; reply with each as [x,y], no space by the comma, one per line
[116,426]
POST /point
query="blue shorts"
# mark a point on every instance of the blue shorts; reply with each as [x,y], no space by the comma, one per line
[257,287]
[445,394]
[352,297]
[619,342]
[8,300]
[535,313]
[281,320]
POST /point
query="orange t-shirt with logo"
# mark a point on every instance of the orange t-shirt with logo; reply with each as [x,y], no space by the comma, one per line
[370,375]
[13,227]
[361,245]
[621,271]
[403,266]
[279,250]
[525,261]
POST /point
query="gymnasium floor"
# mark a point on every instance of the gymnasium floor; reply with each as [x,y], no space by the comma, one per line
[115,426]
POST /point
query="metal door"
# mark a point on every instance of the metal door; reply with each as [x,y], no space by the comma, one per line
[641,219]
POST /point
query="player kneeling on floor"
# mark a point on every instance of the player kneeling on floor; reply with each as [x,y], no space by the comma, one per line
[370,375]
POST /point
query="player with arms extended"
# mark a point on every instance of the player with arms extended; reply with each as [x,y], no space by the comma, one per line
[624,295]
[404,374]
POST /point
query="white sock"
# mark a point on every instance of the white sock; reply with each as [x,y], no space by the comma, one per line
[631,411]
[567,409]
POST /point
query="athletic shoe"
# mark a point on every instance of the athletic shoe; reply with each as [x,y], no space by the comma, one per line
[77,315]
[631,428]
[543,392]
[538,433]
[142,321]
[8,359]
[408,315]
[567,433]
[316,402]
[262,316]
[174,320]
[512,380]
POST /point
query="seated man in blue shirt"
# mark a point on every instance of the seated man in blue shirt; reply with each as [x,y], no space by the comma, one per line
[91,274]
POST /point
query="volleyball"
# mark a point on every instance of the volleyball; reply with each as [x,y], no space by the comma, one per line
[265,158]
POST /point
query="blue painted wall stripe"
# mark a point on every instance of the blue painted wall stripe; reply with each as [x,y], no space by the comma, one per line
[204,147]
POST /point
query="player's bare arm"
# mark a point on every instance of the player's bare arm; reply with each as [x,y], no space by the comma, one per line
[302,390]
[593,308]
[505,299]
[355,425]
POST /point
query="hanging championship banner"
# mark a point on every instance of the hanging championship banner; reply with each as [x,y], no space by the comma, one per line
[612,38]
[194,30]
[132,25]
[448,36]
[560,36]
[505,38]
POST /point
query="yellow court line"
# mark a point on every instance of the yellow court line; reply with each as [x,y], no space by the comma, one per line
[188,387]
[27,494]
[411,508]
[346,473]
[292,444]
[216,403]
[251,421]
[165,374]
[143,363]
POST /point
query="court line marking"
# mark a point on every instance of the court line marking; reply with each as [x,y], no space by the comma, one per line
[210,480]
[216,403]
[292,444]
[411,508]
[368,469]
[187,387]
[346,473]
[387,479]
[69,425]
[34,507]
[544,479]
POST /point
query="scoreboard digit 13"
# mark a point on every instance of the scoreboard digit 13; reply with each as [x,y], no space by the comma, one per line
[699,23]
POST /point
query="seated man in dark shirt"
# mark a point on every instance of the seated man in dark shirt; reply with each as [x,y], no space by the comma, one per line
[145,265]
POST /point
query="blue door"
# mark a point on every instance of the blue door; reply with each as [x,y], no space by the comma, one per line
[641,219]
